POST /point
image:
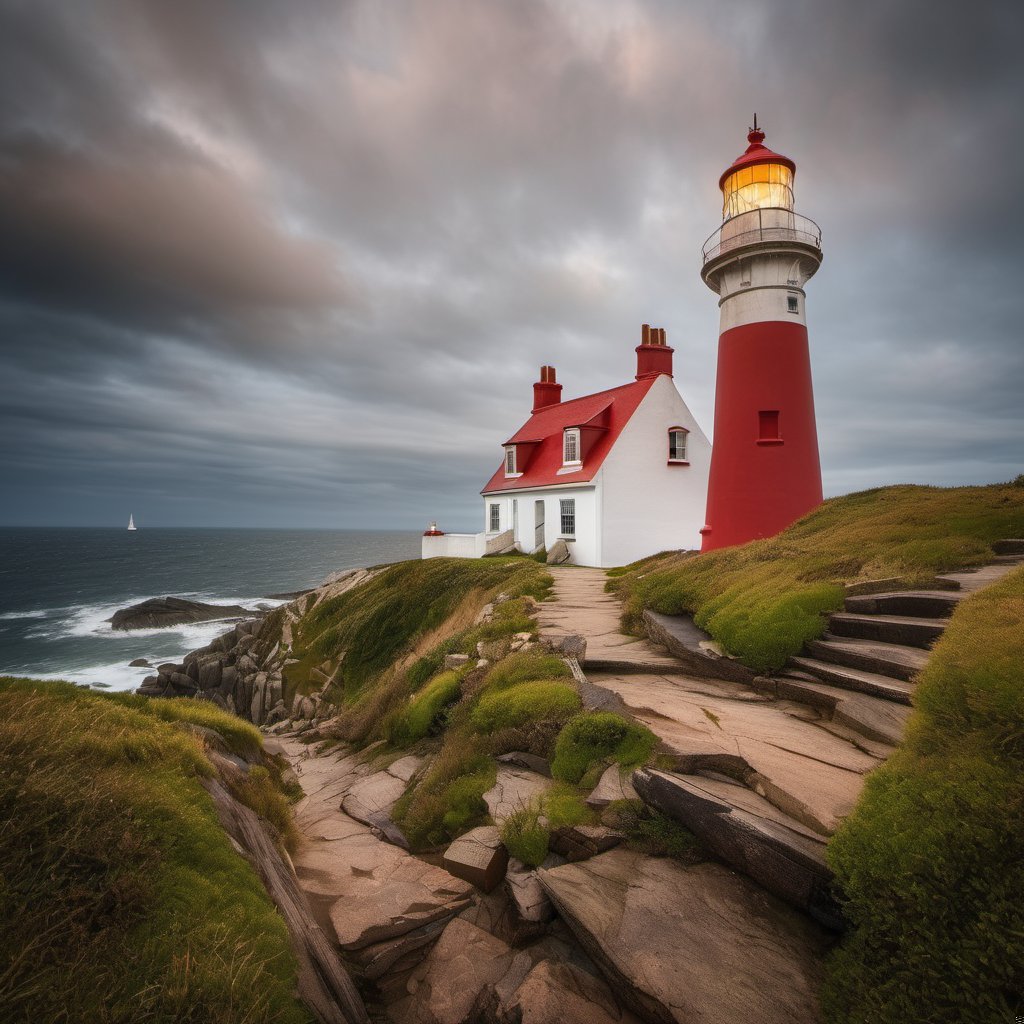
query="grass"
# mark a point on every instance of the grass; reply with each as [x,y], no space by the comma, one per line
[591,739]
[538,701]
[525,837]
[931,860]
[525,666]
[425,711]
[121,898]
[763,600]
[374,624]
[651,832]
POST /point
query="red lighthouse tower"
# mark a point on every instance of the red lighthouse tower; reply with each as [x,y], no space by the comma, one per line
[765,471]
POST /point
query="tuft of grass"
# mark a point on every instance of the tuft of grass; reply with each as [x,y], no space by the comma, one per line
[425,711]
[930,860]
[563,805]
[525,837]
[261,790]
[525,666]
[763,600]
[591,738]
[525,702]
[122,898]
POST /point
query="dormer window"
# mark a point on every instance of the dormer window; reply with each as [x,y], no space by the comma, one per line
[510,461]
[677,444]
[571,447]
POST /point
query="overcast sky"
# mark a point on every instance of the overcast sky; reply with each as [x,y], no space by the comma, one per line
[297,264]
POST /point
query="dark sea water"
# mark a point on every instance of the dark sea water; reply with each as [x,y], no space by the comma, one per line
[58,588]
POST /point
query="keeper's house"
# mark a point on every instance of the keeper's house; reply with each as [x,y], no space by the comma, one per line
[617,475]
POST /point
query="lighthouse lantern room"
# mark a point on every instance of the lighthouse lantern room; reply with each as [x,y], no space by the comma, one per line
[765,470]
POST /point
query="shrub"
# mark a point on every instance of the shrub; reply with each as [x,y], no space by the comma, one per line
[123,899]
[930,860]
[593,737]
[765,599]
[525,702]
[524,666]
[425,710]
[654,833]
[524,836]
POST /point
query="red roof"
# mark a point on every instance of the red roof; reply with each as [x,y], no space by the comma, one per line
[756,153]
[539,440]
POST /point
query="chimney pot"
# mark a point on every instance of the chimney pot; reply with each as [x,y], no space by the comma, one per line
[645,334]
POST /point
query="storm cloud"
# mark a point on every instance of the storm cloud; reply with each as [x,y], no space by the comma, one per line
[298,264]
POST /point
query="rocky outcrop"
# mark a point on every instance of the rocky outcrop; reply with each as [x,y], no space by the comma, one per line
[610,788]
[372,799]
[513,790]
[173,611]
[698,943]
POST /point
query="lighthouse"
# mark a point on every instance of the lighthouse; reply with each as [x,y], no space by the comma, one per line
[765,471]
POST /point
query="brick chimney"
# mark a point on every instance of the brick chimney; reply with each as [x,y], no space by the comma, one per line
[653,356]
[546,391]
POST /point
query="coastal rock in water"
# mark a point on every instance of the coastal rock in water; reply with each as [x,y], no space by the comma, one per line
[139,663]
[680,944]
[172,611]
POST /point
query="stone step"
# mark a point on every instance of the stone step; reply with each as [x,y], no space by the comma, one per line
[749,834]
[1008,559]
[910,630]
[875,718]
[896,660]
[871,683]
[923,603]
[1009,546]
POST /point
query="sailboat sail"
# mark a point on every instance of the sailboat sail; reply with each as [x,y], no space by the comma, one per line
[131,522]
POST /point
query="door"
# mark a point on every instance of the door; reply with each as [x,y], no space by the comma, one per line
[538,525]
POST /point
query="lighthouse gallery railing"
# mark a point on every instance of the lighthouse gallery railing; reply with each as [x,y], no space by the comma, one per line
[762,225]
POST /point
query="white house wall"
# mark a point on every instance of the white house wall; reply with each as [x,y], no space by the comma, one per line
[647,504]
[584,549]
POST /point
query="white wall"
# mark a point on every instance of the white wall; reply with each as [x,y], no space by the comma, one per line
[584,549]
[647,504]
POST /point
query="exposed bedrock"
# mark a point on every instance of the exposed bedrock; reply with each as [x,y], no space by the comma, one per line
[173,611]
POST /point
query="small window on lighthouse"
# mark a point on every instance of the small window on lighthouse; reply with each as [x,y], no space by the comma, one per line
[794,304]
[768,425]
[677,444]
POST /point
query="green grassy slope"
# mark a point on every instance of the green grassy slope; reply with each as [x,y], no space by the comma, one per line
[932,859]
[121,898]
[763,600]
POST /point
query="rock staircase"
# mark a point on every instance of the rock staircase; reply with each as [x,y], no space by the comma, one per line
[764,770]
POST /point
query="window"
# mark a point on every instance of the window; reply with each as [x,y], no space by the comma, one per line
[510,461]
[568,510]
[768,425]
[677,444]
[793,304]
[494,519]
[571,446]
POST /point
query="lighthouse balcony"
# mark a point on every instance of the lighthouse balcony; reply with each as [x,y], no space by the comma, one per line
[780,227]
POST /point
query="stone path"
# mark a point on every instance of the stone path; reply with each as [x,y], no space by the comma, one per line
[765,770]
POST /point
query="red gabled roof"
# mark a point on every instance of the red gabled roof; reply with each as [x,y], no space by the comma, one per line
[607,411]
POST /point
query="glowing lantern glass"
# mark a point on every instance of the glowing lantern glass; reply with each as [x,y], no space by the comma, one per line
[757,187]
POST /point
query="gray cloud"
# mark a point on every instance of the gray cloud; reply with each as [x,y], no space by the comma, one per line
[266,263]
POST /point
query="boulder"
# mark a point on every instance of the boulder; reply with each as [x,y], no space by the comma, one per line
[182,683]
[527,894]
[679,944]
[578,842]
[572,646]
[493,650]
[478,857]
[561,993]
[529,762]
[152,687]
[465,962]
[171,611]
[514,789]
[611,787]
[139,663]
[558,553]
[455,660]
[210,670]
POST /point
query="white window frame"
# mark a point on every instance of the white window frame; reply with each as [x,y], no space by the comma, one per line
[510,461]
[686,440]
[567,517]
[494,517]
[571,435]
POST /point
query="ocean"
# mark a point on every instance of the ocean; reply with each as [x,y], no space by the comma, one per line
[59,588]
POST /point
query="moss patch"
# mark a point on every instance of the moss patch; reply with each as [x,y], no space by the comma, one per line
[591,739]
[765,599]
[930,860]
[121,898]
[526,702]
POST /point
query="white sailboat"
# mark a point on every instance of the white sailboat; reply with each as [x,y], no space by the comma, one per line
[131,522]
